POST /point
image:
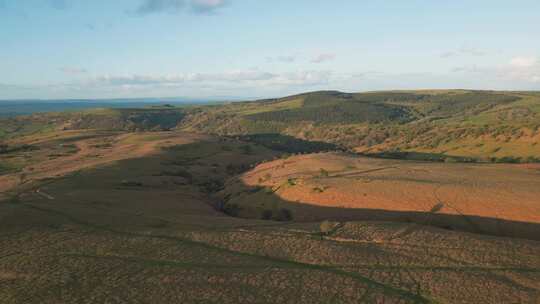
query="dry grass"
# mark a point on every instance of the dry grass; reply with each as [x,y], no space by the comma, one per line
[457,196]
[90,237]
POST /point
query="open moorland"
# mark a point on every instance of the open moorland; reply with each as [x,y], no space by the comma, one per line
[444,125]
[261,202]
[497,199]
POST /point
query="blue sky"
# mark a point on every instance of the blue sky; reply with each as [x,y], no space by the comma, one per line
[54,49]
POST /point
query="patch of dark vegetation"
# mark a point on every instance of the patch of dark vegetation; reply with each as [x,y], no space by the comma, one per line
[6,149]
[266,215]
[179,173]
[515,160]
[470,103]
[434,157]
[127,183]
[336,108]
[233,169]
[102,146]
[231,209]
[280,215]
[211,185]
[437,157]
[289,144]
[247,149]
[292,181]
[255,189]
[283,215]
[149,119]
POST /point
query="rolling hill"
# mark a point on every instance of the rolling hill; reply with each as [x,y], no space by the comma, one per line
[139,205]
[168,216]
[431,125]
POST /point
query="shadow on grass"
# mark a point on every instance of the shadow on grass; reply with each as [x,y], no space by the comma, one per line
[207,166]
[289,144]
[441,157]
[284,210]
[421,156]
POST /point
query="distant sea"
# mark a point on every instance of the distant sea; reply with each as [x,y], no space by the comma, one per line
[10,108]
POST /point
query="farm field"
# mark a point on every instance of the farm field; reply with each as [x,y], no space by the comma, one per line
[141,217]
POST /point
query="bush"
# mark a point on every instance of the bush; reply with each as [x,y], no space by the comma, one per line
[532,159]
[291,181]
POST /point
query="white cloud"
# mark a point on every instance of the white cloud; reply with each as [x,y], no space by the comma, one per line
[524,62]
[464,51]
[323,58]
[73,70]
[285,59]
[231,78]
[520,69]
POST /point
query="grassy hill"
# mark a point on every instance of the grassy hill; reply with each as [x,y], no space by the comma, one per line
[452,125]
[136,119]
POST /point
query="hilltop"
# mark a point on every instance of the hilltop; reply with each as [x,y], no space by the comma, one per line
[431,125]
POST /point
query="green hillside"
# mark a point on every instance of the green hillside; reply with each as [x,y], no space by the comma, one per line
[143,119]
[451,125]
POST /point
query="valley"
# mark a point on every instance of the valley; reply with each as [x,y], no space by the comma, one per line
[202,204]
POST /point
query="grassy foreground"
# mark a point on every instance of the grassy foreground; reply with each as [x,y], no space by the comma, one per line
[122,217]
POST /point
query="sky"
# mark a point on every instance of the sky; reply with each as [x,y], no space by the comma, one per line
[62,49]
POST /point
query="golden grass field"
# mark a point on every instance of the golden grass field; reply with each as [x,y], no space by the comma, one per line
[498,199]
[109,217]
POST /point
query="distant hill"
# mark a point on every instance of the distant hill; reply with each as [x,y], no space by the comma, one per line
[435,125]
[11,108]
[443,125]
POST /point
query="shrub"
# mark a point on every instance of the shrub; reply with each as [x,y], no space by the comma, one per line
[291,181]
